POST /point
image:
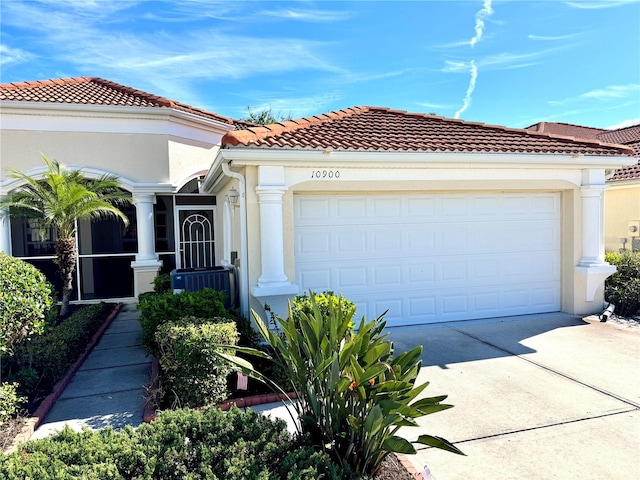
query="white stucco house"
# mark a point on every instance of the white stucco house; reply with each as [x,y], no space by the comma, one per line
[432,219]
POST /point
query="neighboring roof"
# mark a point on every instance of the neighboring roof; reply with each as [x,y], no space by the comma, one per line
[566,129]
[628,136]
[95,91]
[624,136]
[382,129]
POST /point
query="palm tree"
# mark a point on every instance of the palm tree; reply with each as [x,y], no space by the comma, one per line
[59,200]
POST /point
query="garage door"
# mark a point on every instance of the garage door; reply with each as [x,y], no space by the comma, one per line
[432,258]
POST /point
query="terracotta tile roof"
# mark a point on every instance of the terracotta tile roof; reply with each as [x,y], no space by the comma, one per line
[628,136]
[566,129]
[94,91]
[623,136]
[383,129]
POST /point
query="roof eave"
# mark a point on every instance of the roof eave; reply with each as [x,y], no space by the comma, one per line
[398,159]
[92,110]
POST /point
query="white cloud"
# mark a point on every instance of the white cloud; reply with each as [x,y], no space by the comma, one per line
[10,55]
[163,60]
[502,61]
[441,106]
[593,4]
[306,15]
[547,38]
[611,92]
[473,70]
[485,12]
[625,123]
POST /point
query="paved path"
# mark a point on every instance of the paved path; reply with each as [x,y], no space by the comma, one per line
[109,388]
[540,396]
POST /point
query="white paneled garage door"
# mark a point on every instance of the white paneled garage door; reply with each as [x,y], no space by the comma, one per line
[432,258]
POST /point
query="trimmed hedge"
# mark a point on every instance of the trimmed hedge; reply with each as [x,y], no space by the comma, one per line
[192,374]
[623,287]
[181,444]
[38,364]
[159,308]
[25,299]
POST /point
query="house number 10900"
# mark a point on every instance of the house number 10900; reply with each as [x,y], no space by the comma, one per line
[325,174]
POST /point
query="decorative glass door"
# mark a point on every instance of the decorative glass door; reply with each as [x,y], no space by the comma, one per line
[196,242]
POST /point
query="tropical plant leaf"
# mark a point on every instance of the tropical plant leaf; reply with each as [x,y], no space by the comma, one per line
[440,443]
[398,445]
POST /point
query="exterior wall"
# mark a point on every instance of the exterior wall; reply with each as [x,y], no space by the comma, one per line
[139,158]
[622,205]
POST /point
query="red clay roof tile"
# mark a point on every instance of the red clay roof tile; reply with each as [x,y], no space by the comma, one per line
[384,129]
[95,91]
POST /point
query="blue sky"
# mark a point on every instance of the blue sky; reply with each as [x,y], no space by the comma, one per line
[511,63]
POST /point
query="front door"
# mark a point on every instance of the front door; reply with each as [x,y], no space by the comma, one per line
[195,238]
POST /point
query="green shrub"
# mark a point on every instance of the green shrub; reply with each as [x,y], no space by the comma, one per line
[10,401]
[162,283]
[41,362]
[191,371]
[325,302]
[181,444]
[623,287]
[25,299]
[353,394]
[158,309]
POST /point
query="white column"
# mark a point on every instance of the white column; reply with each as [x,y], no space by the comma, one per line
[274,288]
[144,226]
[592,270]
[592,226]
[271,237]
[146,265]
[5,232]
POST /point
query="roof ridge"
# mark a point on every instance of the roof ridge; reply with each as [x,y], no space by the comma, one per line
[44,83]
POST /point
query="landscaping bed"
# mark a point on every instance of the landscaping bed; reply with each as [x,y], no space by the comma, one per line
[48,363]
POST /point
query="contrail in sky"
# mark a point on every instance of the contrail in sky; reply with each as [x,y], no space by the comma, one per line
[472,85]
[482,14]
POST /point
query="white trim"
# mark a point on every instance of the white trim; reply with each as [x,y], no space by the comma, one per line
[44,116]
[141,188]
[394,159]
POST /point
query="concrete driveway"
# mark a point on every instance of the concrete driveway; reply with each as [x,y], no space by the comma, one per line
[548,396]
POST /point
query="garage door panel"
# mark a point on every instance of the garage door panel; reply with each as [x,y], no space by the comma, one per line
[313,244]
[432,258]
[351,208]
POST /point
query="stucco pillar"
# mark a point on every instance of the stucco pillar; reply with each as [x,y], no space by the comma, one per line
[592,270]
[5,232]
[273,286]
[592,226]
[146,265]
[271,238]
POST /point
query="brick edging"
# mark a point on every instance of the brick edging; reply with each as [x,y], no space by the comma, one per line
[47,403]
[150,412]
[408,465]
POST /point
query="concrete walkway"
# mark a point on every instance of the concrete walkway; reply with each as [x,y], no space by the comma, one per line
[109,388]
